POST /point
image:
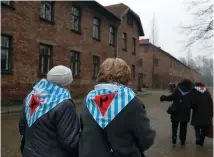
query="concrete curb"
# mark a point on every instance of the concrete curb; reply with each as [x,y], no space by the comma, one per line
[11,109]
[18,108]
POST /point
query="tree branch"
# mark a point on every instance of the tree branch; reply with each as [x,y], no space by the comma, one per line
[202,29]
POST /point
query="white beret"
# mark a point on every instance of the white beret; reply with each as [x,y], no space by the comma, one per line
[61,75]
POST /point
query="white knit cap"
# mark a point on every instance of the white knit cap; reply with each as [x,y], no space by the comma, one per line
[60,75]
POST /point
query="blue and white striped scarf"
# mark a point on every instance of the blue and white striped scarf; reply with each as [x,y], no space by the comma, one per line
[201,89]
[49,95]
[123,95]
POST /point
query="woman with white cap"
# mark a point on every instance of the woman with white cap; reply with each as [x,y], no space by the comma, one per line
[49,123]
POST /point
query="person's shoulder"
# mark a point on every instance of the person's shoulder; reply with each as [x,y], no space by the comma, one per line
[64,109]
[208,93]
[136,103]
[66,104]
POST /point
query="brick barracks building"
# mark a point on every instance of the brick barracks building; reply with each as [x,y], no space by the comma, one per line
[35,36]
[160,68]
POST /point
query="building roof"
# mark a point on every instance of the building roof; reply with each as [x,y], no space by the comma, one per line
[121,9]
[146,42]
[99,8]
[117,9]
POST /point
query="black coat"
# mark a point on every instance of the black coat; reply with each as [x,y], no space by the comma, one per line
[181,106]
[55,134]
[129,134]
[202,105]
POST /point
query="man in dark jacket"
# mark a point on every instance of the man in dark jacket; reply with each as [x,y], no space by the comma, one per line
[202,105]
[180,109]
[114,121]
[49,123]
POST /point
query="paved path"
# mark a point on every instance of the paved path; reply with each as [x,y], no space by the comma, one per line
[159,120]
[162,147]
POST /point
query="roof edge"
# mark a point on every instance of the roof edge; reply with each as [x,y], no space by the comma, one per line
[136,16]
[104,9]
[141,32]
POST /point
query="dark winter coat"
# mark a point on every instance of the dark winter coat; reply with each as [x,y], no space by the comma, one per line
[202,105]
[55,134]
[129,134]
[181,106]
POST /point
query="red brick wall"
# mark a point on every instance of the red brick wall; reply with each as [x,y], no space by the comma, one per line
[132,32]
[28,31]
[161,70]
[146,56]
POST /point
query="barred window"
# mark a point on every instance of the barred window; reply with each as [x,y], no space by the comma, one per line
[6,58]
[96,29]
[76,19]
[156,61]
[45,58]
[96,65]
[8,3]
[46,10]
[130,20]
[112,35]
[75,63]
[124,44]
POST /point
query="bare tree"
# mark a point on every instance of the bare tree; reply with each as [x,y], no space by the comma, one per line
[206,70]
[189,60]
[183,60]
[201,31]
[204,64]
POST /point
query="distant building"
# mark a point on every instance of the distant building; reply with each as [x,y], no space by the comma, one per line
[160,68]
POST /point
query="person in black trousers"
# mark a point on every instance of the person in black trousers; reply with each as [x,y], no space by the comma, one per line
[180,109]
[202,105]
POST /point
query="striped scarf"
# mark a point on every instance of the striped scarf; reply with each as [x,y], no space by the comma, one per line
[106,101]
[201,89]
[44,97]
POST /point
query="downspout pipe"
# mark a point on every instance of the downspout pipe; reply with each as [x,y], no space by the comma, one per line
[127,10]
[117,41]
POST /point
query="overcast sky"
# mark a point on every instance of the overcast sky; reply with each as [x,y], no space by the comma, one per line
[169,16]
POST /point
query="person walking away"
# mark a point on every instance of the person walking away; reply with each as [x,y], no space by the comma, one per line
[202,105]
[114,121]
[49,123]
[180,109]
